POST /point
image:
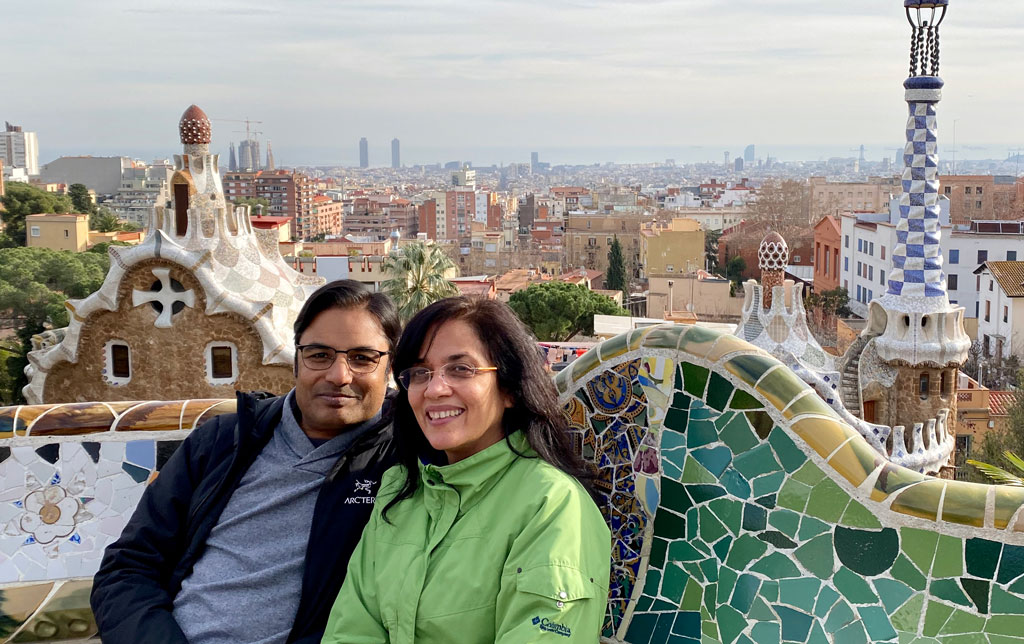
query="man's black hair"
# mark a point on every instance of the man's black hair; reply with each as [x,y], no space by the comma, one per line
[350,294]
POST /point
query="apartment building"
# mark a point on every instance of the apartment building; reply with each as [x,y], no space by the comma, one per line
[982,197]
[290,194]
[19,149]
[1001,300]
[588,237]
[827,240]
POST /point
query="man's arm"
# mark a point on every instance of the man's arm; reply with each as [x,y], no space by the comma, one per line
[130,595]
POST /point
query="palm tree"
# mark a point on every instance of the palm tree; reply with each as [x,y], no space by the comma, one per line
[417,276]
[998,475]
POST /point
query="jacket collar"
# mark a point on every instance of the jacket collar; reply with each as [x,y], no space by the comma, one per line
[473,477]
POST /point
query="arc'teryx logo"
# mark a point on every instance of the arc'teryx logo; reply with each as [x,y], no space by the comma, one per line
[546,624]
[362,487]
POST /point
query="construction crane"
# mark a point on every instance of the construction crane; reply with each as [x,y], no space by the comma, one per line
[248,126]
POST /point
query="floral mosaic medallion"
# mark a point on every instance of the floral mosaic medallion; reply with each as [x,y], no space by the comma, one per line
[61,504]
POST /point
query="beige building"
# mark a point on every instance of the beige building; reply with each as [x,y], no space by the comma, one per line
[57,232]
[873,195]
[701,294]
[673,249]
[588,237]
[981,197]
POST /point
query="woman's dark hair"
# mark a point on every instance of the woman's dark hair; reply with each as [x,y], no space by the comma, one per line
[350,294]
[513,350]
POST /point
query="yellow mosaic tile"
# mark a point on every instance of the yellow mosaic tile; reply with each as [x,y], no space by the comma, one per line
[780,387]
[72,419]
[823,435]
[698,341]
[965,503]
[664,336]
[1008,501]
[750,367]
[614,348]
[810,403]
[728,344]
[921,500]
[855,461]
[637,337]
[584,363]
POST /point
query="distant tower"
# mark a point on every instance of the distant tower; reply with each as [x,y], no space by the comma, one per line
[916,331]
[364,153]
[748,154]
[861,157]
[738,164]
[726,156]
[232,161]
[396,157]
[534,161]
[270,157]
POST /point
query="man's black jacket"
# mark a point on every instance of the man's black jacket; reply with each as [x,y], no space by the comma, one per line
[141,572]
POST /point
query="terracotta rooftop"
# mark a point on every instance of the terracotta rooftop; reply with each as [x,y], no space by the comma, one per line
[1010,276]
[1000,402]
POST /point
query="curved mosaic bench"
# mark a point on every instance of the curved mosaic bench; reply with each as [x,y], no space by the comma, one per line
[743,509]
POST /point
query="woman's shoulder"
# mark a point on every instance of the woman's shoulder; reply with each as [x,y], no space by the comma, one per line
[553,487]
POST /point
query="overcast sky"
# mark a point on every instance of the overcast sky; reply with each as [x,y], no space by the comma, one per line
[489,79]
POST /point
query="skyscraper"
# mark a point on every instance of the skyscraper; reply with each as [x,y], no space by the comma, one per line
[748,154]
[19,149]
[364,153]
[396,158]
[534,160]
[249,156]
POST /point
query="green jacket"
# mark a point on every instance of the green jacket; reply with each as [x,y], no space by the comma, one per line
[495,548]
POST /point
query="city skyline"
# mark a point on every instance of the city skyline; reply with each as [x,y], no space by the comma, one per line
[494,81]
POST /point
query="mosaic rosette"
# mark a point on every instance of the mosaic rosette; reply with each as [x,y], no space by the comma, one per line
[760,516]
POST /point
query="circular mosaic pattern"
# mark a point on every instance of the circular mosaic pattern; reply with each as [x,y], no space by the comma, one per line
[773,254]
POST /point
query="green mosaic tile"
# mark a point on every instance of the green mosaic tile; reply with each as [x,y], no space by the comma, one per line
[729,512]
[659,547]
[949,557]
[977,590]
[736,485]
[856,460]
[694,472]
[583,364]
[786,450]
[840,615]
[780,387]
[702,493]
[755,462]
[700,432]
[767,501]
[680,550]
[921,500]
[908,616]
[1003,602]
[919,546]
[853,587]
[1008,501]
[777,539]
[692,596]
[949,590]
[981,556]
[817,635]
[827,501]
[710,569]
[673,584]
[710,601]
[744,592]
[638,337]
[695,379]
[768,483]
[1004,639]
[711,529]
[908,573]
[613,347]
[760,422]
[1012,625]
[809,474]
[760,610]
[731,623]
[694,571]
[894,478]
[725,345]
[673,497]
[750,367]
[786,521]
[826,600]
[652,583]
[876,622]
[808,404]
[935,618]
[965,503]
[765,633]
[755,518]
[799,593]
[698,340]
[811,527]
[722,548]
[1011,564]
[816,556]
[738,435]
[852,634]
[663,337]
[892,593]
[866,553]
[719,392]
[714,459]
[745,549]
[963,622]
[741,400]
[776,566]
[794,495]
[857,516]
[969,638]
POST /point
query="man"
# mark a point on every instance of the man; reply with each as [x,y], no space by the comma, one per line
[246,534]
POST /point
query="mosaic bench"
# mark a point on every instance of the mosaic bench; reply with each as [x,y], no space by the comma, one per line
[743,509]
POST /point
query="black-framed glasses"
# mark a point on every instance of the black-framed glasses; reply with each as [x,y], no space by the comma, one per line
[319,357]
[452,374]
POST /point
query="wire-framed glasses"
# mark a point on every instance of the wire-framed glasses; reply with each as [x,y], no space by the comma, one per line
[319,357]
[452,374]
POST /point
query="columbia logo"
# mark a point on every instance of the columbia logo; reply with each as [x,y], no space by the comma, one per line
[547,625]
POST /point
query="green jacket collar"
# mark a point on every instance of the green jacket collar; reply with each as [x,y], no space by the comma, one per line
[472,477]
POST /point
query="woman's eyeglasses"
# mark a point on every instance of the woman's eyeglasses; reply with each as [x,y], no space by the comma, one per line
[452,374]
[319,357]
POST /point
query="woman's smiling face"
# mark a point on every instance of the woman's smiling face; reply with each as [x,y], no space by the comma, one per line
[463,419]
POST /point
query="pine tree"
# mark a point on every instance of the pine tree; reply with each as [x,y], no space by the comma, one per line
[615,278]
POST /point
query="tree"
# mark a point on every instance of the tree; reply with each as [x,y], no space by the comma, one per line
[418,276]
[711,249]
[252,202]
[21,200]
[557,311]
[781,206]
[34,284]
[81,199]
[734,270]
[615,278]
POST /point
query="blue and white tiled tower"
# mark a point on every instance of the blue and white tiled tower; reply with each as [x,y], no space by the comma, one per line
[916,331]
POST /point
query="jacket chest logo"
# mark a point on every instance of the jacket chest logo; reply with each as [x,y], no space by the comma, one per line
[362,493]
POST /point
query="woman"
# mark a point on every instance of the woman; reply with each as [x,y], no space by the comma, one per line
[484,532]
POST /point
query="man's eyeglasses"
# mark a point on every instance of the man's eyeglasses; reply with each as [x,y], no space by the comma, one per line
[319,357]
[452,374]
